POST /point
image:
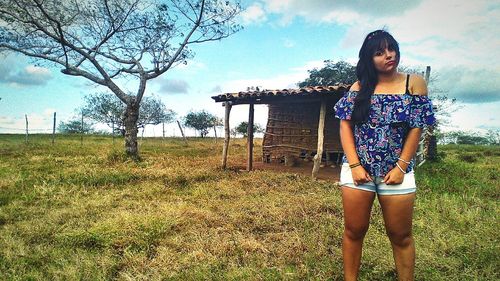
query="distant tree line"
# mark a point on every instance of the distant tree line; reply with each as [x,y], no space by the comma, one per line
[107,109]
[491,137]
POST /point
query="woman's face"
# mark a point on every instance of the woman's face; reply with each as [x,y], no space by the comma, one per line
[385,60]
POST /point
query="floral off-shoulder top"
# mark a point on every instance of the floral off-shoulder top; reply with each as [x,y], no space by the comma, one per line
[379,141]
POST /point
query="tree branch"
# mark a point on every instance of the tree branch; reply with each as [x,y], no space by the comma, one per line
[179,50]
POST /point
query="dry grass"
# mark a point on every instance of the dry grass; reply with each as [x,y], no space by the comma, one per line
[80,212]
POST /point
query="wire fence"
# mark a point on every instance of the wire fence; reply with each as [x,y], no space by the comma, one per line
[22,126]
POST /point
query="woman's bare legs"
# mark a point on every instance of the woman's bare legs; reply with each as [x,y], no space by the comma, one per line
[398,215]
[357,206]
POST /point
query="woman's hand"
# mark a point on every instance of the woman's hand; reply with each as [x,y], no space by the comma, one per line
[395,176]
[360,175]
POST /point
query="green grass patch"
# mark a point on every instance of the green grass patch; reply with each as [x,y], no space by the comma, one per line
[83,211]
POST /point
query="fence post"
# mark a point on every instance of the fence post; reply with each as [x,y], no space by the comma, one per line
[81,136]
[182,132]
[54,129]
[427,144]
[26,116]
[113,129]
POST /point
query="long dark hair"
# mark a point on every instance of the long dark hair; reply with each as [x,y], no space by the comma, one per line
[366,72]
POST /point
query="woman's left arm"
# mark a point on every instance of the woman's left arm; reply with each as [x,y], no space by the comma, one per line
[395,176]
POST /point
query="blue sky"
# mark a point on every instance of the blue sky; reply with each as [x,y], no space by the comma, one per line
[281,40]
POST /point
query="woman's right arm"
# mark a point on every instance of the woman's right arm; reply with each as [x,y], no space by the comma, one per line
[347,140]
[359,174]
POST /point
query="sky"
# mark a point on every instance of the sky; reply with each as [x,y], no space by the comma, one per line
[282,40]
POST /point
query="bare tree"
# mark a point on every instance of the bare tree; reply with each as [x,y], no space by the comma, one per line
[110,42]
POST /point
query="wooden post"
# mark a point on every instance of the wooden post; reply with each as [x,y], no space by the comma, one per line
[26,117]
[163,129]
[430,146]
[225,147]
[319,151]
[250,137]
[182,132]
[215,132]
[54,129]
[81,136]
[113,129]
[427,73]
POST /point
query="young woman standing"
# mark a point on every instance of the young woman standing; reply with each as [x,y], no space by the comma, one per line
[382,116]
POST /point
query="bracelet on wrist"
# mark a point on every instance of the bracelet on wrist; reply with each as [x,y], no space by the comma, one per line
[354,165]
[407,162]
[401,169]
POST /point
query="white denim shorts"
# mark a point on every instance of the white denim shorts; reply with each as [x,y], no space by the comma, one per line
[407,186]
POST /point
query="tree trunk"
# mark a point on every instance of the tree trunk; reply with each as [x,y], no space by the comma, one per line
[130,120]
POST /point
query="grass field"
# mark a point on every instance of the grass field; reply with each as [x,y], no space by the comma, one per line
[70,211]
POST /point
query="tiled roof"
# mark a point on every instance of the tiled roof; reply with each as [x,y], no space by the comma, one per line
[269,94]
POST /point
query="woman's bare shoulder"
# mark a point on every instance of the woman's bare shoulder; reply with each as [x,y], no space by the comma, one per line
[418,85]
[356,86]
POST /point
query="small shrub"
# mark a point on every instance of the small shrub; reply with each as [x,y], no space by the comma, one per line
[467,157]
[178,181]
[488,153]
[116,156]
[3,219]
[442,154]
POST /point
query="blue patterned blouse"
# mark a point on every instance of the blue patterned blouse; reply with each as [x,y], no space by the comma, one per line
[379,141]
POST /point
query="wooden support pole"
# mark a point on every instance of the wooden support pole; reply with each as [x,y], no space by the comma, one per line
[225,147]
[54,129]
[321,128]
[163,129]
[250,137]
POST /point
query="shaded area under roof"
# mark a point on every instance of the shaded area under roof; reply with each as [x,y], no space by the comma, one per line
[305,94]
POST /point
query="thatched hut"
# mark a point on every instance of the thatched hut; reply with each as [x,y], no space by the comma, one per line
[300,124]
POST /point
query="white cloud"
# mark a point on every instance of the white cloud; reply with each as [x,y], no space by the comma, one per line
[308,66]
[36,70]
[458,39]
[334,11]
[216,89]
[461,119]
[253,14]
[172,86]
[13,73]
[470,85]
[192,66]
